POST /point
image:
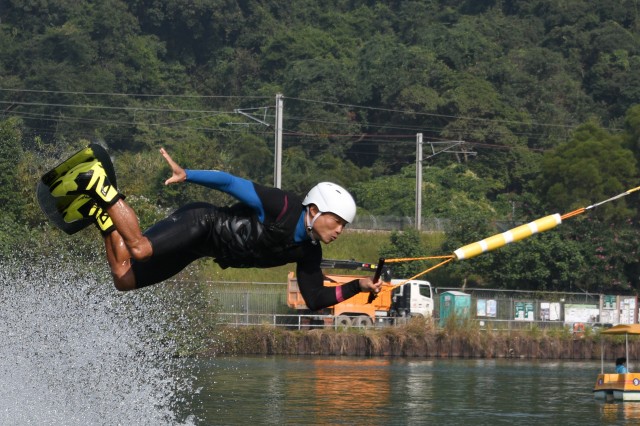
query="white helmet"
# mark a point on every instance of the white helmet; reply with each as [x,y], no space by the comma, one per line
[332,198]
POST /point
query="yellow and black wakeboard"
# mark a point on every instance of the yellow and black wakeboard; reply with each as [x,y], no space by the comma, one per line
[52,206]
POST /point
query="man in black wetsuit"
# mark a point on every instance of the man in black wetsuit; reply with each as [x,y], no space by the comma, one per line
[268,227]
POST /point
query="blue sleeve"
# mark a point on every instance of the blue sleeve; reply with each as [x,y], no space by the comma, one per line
[239,188]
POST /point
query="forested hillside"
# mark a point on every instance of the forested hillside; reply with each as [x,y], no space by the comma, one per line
[526,108]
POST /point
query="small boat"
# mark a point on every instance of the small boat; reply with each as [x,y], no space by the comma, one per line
[614,386]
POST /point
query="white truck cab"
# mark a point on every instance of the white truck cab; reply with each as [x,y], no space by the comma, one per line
[412,298]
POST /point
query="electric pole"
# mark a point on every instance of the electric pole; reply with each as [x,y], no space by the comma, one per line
[277,167]
[418,181]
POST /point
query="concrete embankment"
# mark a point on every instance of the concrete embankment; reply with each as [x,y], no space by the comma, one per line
[418,340]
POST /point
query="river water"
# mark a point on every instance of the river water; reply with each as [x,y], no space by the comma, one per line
[383,391]
[76,352]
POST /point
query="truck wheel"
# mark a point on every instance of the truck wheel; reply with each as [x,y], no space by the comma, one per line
[362,321]
[343,321]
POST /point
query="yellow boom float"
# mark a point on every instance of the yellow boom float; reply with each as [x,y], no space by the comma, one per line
[515,234]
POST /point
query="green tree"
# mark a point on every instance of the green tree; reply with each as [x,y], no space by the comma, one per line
[11,204]
[611,252]
[10,158]
[593,166]
[388,195]
[632,131]
[545,262]
[300,174]
[406,244]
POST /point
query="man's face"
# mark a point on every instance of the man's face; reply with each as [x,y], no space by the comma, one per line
[328,227]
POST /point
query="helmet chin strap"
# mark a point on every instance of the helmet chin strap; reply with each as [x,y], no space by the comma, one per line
[310,225]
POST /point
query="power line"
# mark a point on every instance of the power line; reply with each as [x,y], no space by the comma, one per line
[204,114]
[362,138]
[139,95]
[106,107]
[185,96]
[567,126]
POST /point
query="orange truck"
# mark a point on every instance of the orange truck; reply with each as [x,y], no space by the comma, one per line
[398,299]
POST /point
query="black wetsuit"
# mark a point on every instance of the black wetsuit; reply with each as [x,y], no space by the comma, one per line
[265,229]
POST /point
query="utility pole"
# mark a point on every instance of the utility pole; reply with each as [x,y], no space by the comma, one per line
[448,148]
[277,167]
[418,181]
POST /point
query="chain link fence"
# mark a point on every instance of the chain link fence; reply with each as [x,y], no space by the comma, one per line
[259,303]
[397,223]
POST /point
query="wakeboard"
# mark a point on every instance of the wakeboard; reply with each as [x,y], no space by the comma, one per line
[52,206]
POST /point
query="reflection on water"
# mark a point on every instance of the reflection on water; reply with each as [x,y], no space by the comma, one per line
[391,391]
[370,378]
[620,412]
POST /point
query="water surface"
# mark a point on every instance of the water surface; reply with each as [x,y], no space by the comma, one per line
[392,391]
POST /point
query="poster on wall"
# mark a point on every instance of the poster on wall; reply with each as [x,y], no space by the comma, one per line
[549,311]
[627,310]
[481,307]
[486,308]
[492,308]
[608,302]
[545,311]
[609,311]
[524,311]
[555,311]
[581,313]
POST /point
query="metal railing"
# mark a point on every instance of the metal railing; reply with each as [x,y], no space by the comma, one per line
[293,321]
[271,299]
[305,322]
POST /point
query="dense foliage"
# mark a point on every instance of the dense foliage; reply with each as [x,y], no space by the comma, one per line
[526,108]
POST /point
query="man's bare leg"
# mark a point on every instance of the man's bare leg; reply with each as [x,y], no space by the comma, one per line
[126,222]
[124,244]
[119,260]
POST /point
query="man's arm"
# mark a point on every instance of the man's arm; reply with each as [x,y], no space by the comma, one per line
[239,188]
[311,282]
[317,296]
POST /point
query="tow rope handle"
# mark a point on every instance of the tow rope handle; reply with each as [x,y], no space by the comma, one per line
[376,277]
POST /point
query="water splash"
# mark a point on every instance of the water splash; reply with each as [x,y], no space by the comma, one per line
[75,351]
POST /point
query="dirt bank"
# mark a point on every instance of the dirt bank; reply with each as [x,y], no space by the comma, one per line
[420,339]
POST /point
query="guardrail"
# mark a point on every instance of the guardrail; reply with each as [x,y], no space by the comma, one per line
[294,322]
[304,322]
